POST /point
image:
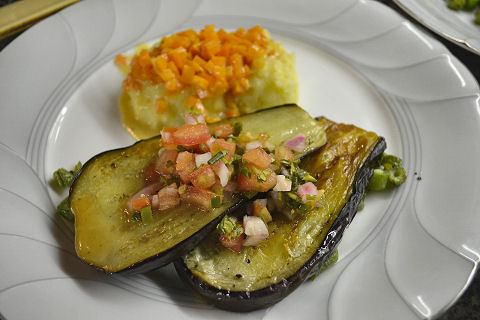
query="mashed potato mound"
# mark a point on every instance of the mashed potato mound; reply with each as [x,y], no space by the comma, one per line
[240,84]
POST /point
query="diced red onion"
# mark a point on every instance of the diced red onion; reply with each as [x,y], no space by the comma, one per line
[222,172]
[255,230]
[191,119]
[296,143]
[283,184]
[307,189]
[253,145]
[148,192]
[210,142]
[202,158]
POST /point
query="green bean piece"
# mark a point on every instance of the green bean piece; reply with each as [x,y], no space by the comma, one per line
[379,180]
[397,176]
[146,214]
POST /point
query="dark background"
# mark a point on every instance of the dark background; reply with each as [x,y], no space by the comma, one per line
[468,306]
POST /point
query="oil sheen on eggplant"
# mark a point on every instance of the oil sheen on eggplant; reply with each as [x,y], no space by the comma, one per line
[105,236]
[261,276]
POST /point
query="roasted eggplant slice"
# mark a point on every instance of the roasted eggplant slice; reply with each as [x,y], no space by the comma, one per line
[107,238]
[260,276]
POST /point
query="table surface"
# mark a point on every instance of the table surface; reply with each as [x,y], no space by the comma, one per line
[468,306]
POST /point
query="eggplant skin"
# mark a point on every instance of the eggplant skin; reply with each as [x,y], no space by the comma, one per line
[244,301]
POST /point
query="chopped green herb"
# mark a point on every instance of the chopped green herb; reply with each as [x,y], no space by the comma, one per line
[216,202]
[146,214]
[181,148]
[230,227]
[245,171]
[262,175]
[63,209]
[219,155]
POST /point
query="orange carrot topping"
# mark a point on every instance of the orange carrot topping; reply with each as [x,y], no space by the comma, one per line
[213,62]
[162,105]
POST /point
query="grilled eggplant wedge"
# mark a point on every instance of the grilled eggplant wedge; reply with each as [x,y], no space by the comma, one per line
[106,237]
[260,276]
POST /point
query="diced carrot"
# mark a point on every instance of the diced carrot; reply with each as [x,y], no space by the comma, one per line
[140,203]
[200,82]
[192,101]
[212,62]
[121,60]
[188,72]
[161,105]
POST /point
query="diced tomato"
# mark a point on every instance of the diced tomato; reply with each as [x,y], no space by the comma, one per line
[151,174]
[185,165]
[234,244]
[257,157]
[140,203]
[191,134]
[165,163]
[167,138]
[168,197]
[198,197]
[223,130]
[252,183]
[221,144]
[203,177]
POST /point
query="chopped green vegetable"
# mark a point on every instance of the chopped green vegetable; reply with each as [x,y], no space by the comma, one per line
[219,155]
[379,180]
[63,178]
[388,174]
[63,209]
[330,262]
[229,226]
[146,214]
[397,176]
[216,202]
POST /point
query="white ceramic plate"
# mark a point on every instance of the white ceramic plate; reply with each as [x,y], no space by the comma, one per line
[408,255]
[455,26]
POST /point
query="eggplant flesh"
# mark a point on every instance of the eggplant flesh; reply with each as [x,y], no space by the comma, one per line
[260,276]
[107,238]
